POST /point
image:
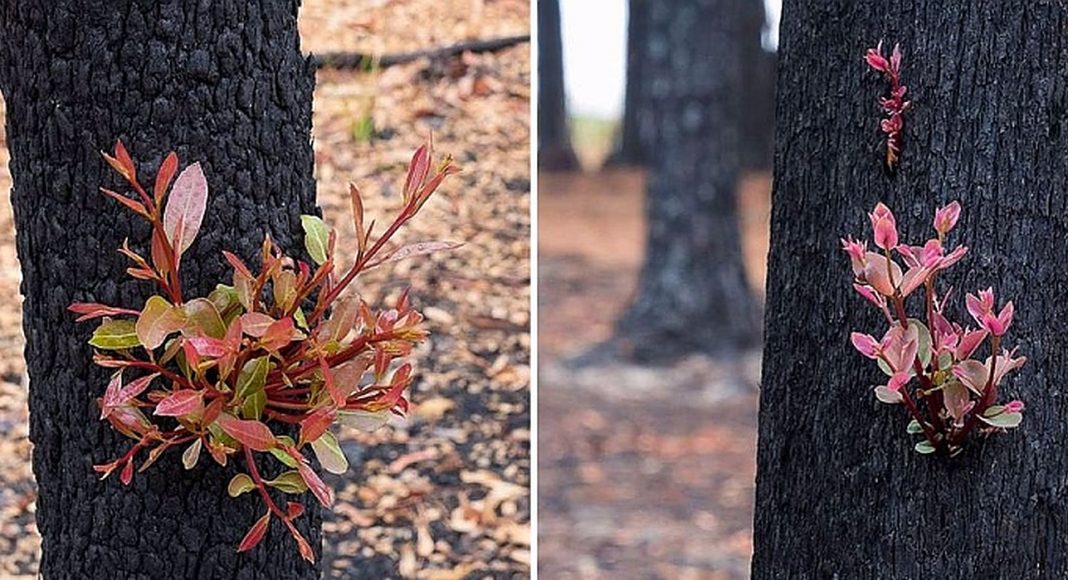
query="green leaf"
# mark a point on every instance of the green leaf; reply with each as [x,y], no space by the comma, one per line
[914,427]
[115,335]
[223,297]
[158,320]
[254,405]
[284,457]
[329,454]
[363,420]
[302,322]
[240,484]
[924,351]
[316,237]
[925,447]
[253,377]
[203,319]
[289,482]
[1004,420]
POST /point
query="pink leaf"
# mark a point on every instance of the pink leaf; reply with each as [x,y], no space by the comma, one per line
[185,207]
[413,250]
[322,492]
[255,533]
[252,434]
[180,403]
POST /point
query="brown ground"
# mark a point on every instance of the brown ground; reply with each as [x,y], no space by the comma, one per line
[643,472]
[444,495]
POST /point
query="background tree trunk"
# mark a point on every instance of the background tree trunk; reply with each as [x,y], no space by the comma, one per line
[757,106]
[223,83]
[629,149]
[554,138]
[840,492]
[693,294]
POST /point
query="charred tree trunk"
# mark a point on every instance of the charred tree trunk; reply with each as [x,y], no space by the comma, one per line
[554,138]
[840,492]
[629,149]
[693,294]
[223,83]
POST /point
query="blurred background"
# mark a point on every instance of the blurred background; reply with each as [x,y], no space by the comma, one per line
[444,494]
[655,140]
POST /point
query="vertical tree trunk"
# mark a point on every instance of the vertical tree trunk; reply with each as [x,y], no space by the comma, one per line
[840,492]
[223,83]
[757,109]
[554,139]
[693,294]
[629,148]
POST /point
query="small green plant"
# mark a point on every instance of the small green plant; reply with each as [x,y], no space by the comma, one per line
[281,346]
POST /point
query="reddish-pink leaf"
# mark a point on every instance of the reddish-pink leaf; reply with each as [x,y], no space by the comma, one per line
[255,533]
[237,264]
[322,492]
[294,510]
[336,394]
[413,250]
[185,207]
[357,217]
[417,171]
[136,206]
[90,310]
[278,334]
[256,324]
[208,346]
[127,473]
[121,162]
[180,403]
[212,412]
[165,174]
[316,424]
[116,395]
[251,434]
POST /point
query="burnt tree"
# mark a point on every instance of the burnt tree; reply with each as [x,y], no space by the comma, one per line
[554,137]
[757,85]
[840,492]
[629,149]
[693,294]
[223,83]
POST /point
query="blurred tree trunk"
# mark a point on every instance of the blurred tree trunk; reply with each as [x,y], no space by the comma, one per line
[840,492]
[554,138]
[629,149]
[757,109]
[693,294]
[223,83]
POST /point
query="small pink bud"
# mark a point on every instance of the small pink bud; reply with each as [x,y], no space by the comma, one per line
[876,60]
[946,218]
[866,344]
[885,227]
[1014,407]
[856,251]
[895,59]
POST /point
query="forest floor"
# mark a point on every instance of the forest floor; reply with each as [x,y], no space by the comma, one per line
[643,472]
[445,493]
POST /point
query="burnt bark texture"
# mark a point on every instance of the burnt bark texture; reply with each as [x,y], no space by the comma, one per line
[554,137]
[693,294]
[223,83]
[840,491]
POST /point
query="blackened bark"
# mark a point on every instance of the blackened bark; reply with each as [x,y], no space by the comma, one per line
[840,492]
[693,294]
[223,83]
[629,148]
[554,138]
